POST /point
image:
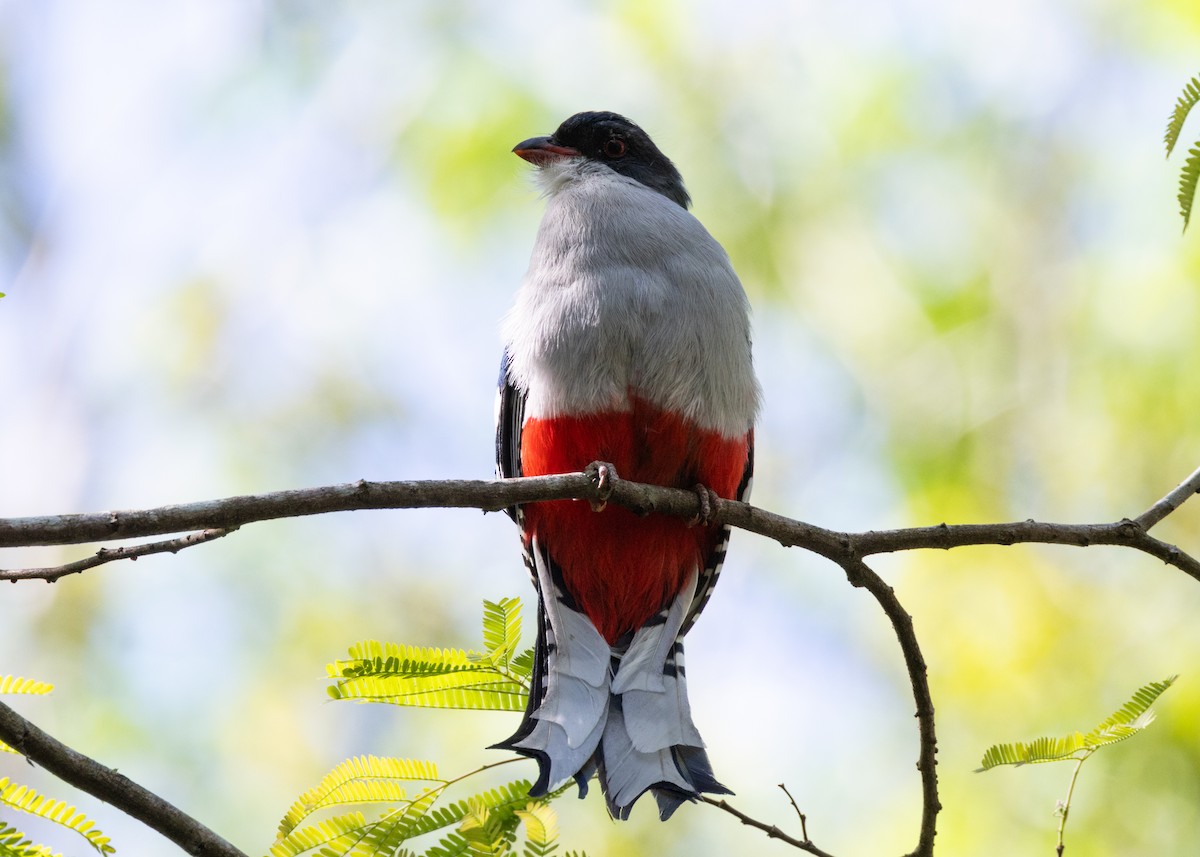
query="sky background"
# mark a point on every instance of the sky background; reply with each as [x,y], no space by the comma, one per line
[250,246]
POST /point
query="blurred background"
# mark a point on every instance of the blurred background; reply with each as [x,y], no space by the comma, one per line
[250,246]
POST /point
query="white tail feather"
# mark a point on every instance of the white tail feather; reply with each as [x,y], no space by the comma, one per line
[628,772]
[570,719]
[642,664]
[635,726]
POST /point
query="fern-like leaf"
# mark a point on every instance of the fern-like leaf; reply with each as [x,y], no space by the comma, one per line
[450,845]
[487,830]
[1036,751]
[1188,178]
[362,779]
[484,832]
[1187,100]
[522,666]
[496,679]
[1128,720]
[392,660]
[501,629]
[505,798]
[1131,718]
[541,829]
[397,826]
[333,836]
[11,684]
[481,689]
[29,801]
[14,843]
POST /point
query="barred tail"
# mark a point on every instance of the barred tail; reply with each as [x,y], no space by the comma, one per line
[620,713]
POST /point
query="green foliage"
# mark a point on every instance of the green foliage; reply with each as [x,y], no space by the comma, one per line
[485,824]
[10,684]
[1190,174]
[541,830]
[13,843]
[1187,100]
[364,779]
[496,679]
[27,800]
[15,796]
[1125,722]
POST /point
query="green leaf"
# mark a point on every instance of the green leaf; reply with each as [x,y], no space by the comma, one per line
[488,829]
[362,779]
[29,801]
[541,829]
[1188,178]
[352,834]
[1125,722]
[14,843]
[522,666]
[1187,100]
[373,658]
[333,836]
[1130,718]
[10,684]
[480,688]
[505,798]
[398,825]
[495,680]
[1036,751]
[501,629]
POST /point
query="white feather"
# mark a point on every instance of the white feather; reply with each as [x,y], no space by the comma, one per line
[661,719]
[627,293]
[657,715]
[642,664]
[571,717]
[629,771]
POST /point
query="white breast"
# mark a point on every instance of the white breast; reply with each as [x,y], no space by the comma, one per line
[627,293]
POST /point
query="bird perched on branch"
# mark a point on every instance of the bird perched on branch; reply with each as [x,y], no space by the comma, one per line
[630,344]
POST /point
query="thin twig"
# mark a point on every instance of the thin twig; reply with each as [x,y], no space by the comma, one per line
[1171,502]
[771,830]
[860,574]
[111,787]
[795,806]
[53,573]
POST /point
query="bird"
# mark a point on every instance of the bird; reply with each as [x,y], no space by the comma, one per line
[628,343]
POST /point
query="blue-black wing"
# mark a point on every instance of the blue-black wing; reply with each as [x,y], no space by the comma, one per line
[510,414]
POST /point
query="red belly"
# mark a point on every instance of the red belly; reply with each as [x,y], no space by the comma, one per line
[622,569]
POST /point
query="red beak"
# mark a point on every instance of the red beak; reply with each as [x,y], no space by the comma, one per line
[540,151]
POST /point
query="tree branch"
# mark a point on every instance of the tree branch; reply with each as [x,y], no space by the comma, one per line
[230,513]
[1171,502]
[84,773]
[215,518]
[860,574]
[53,573]
[771,830]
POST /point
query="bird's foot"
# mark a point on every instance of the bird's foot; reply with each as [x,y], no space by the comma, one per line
[603,475]
[709,500]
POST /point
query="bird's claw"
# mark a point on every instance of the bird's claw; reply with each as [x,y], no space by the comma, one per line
[603,476]
[709,500]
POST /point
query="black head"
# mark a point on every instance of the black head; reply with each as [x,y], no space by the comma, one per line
[613,140]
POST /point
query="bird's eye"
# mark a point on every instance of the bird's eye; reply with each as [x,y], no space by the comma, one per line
[614,148]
